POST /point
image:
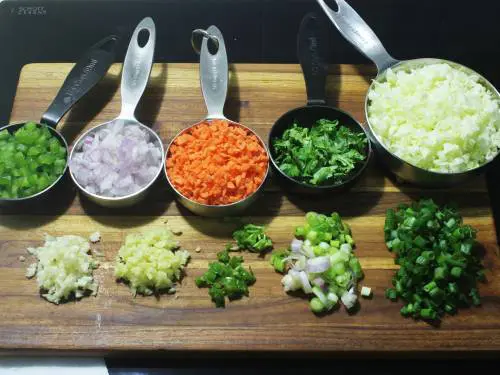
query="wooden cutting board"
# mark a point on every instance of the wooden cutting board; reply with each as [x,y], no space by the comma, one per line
[269,320]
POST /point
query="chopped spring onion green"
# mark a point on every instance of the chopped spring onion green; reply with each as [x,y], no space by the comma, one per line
[439,262]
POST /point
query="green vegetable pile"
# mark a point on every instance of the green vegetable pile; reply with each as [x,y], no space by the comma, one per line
[31,159]
[324,154]
[440,264]
[252,237]
[320,262]
[227,277]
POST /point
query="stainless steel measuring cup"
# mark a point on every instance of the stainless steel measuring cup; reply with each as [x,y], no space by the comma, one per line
[136,71]
[360,35]
[86,73]
[214,76]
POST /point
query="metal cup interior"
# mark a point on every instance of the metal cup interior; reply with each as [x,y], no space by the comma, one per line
[11,201]
[126,200]
[406,170]
[307,116]
[201,209]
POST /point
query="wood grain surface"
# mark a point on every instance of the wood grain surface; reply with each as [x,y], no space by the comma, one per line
[269,320]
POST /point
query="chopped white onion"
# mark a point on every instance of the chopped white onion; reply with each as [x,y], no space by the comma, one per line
[306,285]
[345,247]
[332,297]
[349,299]
[296,245]
[318,293]
[324,245]
[318,264]
[291,283]
[117,160]
[308,251]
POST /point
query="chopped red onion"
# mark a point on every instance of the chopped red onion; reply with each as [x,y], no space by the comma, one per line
[117,160]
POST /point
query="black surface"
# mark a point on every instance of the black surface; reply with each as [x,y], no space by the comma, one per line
[254,31]
[299,366]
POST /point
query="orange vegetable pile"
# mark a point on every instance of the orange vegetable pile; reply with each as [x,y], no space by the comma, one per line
[217,163]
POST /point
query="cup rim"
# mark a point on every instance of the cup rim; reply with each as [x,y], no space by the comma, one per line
[353,177]
[220,206]
[427,61]
[66,167]
[77,145]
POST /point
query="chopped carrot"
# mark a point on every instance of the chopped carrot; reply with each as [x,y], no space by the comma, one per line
[217,163]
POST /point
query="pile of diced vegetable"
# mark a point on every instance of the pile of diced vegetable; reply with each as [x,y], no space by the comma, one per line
[117,160]
[321,263]
[439,260]
[252,238]
[217,162]
[436,117]
[151,261]
[31,159]
[64,268]
[226,278]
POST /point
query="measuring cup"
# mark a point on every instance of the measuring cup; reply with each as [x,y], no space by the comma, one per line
[86,73]
[359,34]
[214,76]
[136,70]
[311,50]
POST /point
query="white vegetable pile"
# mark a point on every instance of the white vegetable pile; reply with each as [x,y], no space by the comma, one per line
[117,160]
[436,117]
[308,272]
[148,263]
[64,268]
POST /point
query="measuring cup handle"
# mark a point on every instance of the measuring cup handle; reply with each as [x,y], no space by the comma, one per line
[86,73]
[137,68]
[214,74]
[311,50]
[358,33]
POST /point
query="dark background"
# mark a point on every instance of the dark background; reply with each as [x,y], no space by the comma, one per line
[255,31]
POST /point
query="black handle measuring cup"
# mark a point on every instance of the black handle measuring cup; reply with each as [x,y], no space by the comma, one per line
[312,51]
[86,73]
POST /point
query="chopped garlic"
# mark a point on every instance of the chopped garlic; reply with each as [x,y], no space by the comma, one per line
[64,268]
[95,237]
[22,258]
[31,271]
